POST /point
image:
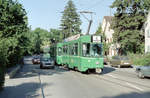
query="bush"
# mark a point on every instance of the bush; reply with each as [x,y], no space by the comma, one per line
[2,76]
[3,60]
[139,59]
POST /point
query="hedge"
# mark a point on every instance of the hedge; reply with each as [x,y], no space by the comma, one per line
[2,76]
[140,59]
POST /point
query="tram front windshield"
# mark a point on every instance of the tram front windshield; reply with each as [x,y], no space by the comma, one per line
[92,50]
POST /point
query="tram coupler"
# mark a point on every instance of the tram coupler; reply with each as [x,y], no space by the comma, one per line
[99,70]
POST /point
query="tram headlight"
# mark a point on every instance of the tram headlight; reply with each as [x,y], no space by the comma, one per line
[97,63]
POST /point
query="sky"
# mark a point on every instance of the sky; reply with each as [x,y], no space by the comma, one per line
[47,14]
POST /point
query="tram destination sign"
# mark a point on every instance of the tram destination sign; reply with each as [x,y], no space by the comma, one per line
[96,39]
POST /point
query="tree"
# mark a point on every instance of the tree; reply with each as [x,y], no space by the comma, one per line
[101,33]
[3,59]
[39,38]
[13,35]
[128,22]
[13,26]
[99,30]
[56,35]
[70,22]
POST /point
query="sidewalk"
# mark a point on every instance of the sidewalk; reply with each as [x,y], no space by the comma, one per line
[25,85]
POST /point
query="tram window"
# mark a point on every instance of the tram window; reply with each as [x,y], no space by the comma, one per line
[72,50]
[96,50]
[59,51]
[66,48]
[76,49]
[63,49]
[86,49]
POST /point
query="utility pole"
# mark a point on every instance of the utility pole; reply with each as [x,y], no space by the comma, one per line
[89,20]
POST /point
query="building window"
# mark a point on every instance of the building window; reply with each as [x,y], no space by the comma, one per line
[148,48]
[110,40]
[148,33]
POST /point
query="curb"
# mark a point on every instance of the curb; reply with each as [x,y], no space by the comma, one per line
[13,72]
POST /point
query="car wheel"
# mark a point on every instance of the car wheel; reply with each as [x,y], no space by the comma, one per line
[41,66]
[112,65]
[141,75]
[53,67]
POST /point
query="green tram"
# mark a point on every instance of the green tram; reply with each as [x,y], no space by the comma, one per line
[82,53]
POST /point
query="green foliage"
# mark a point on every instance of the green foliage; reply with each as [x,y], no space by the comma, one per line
[2,76]
[3,59]
[39,39]
[139,59]
[13,26]
[56,35]
[70,22]
[13,35]
[128,24]
[100,33]
[99,30]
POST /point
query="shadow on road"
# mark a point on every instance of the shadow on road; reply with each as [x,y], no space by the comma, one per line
[30,70]
[131,95]
[25,90]
[108,70]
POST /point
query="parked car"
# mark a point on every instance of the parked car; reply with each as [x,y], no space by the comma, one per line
[143,71]
[120,61]
[47,63]
[36,59]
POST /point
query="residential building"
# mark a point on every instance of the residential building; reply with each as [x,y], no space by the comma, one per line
[108,32]
[147,35]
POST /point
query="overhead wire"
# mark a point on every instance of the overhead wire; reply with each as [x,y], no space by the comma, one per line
[94,5]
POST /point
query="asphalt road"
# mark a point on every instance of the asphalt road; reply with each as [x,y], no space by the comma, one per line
[32,82]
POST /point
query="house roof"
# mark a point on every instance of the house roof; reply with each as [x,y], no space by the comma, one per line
[108,18]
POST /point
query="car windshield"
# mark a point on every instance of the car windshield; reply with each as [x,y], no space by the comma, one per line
[116,57]
[36,57]
[92,50]
[45,59]
[124,58]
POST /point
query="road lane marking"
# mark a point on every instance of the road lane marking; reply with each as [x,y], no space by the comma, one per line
[111,75]
[41,86]
[133,86]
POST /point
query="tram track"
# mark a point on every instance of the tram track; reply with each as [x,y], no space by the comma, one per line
[95,76]
[131,81]
[124,83]
[116,81]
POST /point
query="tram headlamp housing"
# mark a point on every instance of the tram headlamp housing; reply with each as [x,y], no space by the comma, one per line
[97,63]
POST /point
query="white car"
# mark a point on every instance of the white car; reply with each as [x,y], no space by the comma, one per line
[143,71]
[47,63]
